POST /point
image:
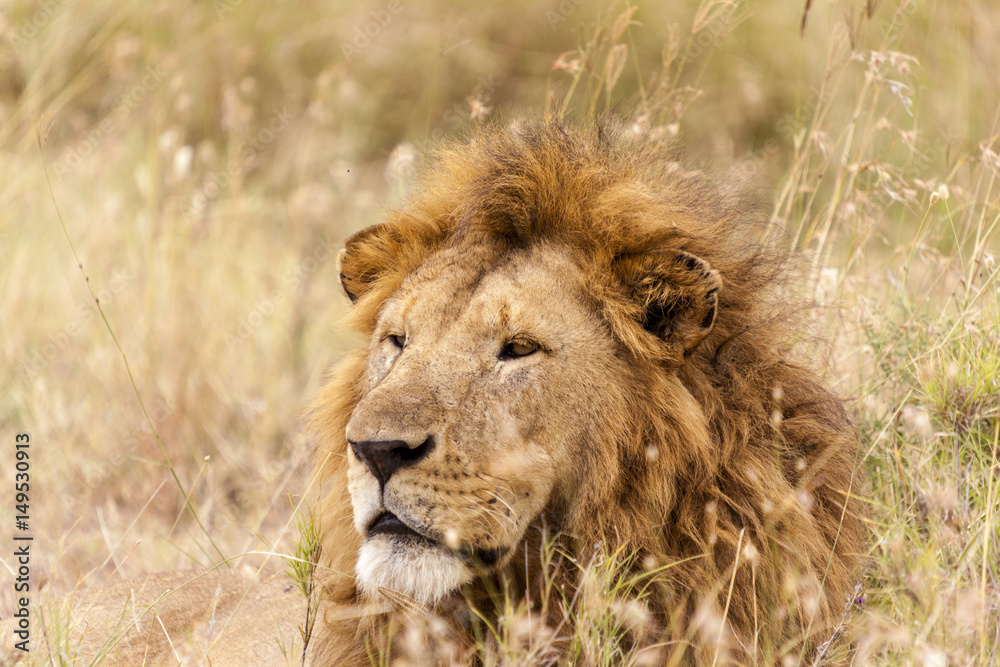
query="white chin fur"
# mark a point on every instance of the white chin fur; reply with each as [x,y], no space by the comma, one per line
[420,570]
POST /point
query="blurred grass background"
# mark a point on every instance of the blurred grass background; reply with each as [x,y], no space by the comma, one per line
[210,157]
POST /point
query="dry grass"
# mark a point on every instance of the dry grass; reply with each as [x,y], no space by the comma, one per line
[208,159]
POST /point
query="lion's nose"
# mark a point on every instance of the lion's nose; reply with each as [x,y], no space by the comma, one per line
[384,457]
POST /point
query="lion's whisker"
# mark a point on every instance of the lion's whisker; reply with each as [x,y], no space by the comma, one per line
[483,475]
[503,521]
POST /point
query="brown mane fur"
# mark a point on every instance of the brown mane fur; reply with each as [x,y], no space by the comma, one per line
[787,488]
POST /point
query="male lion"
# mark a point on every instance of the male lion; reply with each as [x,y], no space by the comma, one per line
[573,340]
[573,360]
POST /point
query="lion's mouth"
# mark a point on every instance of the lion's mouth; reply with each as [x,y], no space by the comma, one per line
[388,523]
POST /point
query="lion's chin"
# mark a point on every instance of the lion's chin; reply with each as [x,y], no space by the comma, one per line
[421,569]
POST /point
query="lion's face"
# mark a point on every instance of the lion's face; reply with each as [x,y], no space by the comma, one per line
[474,413]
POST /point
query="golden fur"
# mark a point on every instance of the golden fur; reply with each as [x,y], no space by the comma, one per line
[570,335]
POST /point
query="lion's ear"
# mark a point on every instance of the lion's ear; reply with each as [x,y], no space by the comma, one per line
[365,257]
[678,294]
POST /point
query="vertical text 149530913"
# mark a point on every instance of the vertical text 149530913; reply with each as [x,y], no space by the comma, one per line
[22,540]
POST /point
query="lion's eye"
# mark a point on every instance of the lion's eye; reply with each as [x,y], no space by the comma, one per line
[397,340]
[518,348]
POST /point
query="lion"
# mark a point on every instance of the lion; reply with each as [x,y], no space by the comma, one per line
[571,339]
[577,354]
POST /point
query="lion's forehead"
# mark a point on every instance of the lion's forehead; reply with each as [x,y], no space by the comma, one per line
[537,291]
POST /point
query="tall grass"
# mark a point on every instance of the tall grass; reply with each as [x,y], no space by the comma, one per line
[208,159]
